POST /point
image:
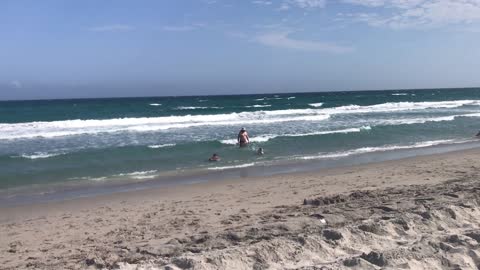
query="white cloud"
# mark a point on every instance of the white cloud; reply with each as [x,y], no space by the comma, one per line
[16,84]
[305,4]
[112,28]
[418,13]
[308,3]
[282,40]
[262,2]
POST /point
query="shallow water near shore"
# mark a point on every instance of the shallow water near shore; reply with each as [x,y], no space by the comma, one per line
[62,149]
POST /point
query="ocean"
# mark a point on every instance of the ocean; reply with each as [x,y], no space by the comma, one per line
[82,146]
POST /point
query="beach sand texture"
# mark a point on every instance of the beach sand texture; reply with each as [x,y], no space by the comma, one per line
[416,213]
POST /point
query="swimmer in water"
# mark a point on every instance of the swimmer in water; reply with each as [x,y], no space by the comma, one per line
[214,157]
[260,151]
[243,138]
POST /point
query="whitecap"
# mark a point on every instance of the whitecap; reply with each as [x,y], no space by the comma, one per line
[147,124]
[232,166]
[267,137]
[196,108]
[258,106]
[365,150]
[39,155]
[161,145]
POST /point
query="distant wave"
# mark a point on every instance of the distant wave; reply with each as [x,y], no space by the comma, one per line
[161,145]
[320,104]
[155,104]
[272,98]
[258,106]
[400,94]
[232,167]
[39,155]
[149,124]
[196,108]
[365,150]
[288,98]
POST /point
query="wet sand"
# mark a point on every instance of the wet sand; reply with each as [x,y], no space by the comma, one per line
[415,213]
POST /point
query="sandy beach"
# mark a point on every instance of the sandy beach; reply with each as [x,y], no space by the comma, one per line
[415,213]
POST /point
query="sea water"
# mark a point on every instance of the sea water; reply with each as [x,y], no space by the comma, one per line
[54,144]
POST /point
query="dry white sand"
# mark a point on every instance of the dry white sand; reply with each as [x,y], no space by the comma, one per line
[416,213]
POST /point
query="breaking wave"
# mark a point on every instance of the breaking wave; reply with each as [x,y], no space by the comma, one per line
[365,150]
[148,124]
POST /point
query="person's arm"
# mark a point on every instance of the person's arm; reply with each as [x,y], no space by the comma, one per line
[238,138]
[248,138]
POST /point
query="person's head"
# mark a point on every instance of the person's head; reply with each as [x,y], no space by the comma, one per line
[215,155]
[243,129]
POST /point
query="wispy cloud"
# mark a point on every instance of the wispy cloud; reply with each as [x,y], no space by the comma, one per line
[210,2]
[403,14]
[112,28]
[183,28]
[282,40]
[16,84]
[262,2]
[306,4]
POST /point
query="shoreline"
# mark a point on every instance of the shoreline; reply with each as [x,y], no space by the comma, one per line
[179,189]
[186,225]
[59,192]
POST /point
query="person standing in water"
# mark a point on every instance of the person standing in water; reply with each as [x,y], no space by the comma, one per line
[243,138]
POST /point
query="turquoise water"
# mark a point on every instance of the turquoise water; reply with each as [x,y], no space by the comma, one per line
[56,142]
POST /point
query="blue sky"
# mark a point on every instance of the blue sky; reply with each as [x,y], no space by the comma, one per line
[89,48]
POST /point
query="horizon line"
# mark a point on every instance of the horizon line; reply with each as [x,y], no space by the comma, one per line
[248,94]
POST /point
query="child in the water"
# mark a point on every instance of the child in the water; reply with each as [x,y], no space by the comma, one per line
[214,157]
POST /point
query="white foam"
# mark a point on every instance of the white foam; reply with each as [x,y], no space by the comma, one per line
[385,148]
[341,131]
[39,155]
[196,108]
[258,106]
[139,175]
[77,127]
[267,137]
[320,104]
[410,121]
[232,167]
[146,124]
[161,145]
[262,138]
[288,98]
[155,104]
[400,94]
[471,115]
